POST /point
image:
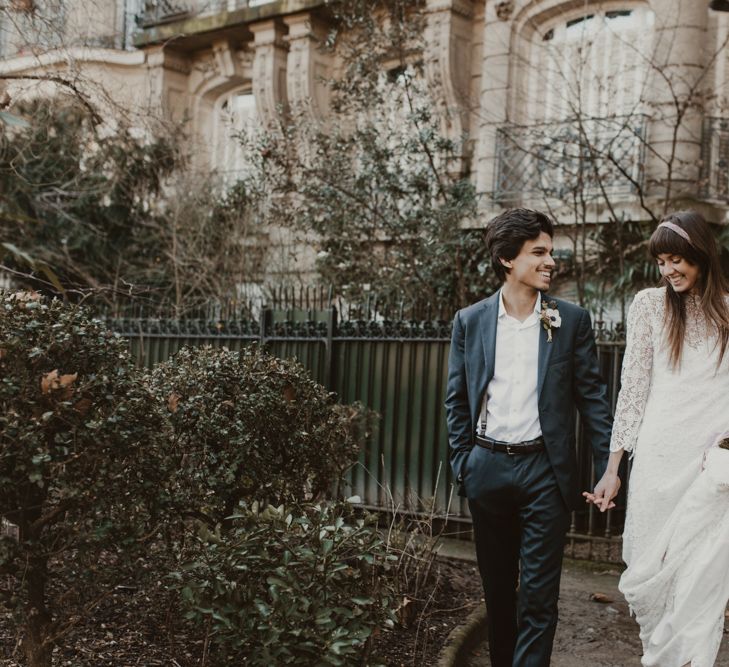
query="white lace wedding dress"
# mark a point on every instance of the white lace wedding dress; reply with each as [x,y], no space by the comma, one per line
[676,537]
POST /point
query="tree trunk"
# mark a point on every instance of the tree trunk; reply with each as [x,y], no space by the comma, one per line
[38,621]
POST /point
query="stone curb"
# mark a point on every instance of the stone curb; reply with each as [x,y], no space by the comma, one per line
[464,638]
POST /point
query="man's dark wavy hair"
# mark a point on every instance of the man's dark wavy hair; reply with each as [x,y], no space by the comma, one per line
[507,232]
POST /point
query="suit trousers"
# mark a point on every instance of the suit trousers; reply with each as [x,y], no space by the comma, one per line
[520,521]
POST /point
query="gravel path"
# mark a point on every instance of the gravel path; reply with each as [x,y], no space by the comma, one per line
[590,633]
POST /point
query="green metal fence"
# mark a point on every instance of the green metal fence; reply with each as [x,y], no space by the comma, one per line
[396,367]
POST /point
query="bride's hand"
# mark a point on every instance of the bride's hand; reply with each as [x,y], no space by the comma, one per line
[605,490]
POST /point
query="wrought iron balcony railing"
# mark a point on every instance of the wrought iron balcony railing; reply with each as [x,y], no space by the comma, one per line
[586,157]
[158,12]
[715,159]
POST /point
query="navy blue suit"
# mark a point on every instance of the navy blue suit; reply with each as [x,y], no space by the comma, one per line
[520,504]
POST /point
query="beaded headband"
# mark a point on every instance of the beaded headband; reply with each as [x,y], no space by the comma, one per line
[678,230]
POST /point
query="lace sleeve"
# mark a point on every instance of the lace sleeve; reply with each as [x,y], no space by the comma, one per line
[636,374]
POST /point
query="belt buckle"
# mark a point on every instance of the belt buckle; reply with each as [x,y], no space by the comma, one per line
[510,450]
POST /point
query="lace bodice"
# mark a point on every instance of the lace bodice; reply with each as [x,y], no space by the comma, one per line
[645,334]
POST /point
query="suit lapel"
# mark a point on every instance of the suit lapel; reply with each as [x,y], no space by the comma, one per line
[487,326]
[489,319]
[545,351]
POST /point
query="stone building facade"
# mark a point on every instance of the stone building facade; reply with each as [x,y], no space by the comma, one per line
[624,97]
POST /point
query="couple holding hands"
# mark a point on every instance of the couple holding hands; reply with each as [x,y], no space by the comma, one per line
[521,363]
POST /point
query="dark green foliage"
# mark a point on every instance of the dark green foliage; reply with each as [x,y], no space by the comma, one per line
[388,215]
[250,426]
[82,203]
[97,471]
[274,588]
[619,264]
[306,587]
[369,35]
[106,210]
[82,463]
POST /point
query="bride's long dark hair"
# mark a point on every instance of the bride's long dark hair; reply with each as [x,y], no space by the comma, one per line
[712,285]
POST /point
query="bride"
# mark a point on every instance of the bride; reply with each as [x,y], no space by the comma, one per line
[672,412]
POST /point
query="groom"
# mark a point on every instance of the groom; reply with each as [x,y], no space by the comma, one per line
[520,364]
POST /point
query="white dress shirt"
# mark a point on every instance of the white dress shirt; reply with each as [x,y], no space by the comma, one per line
[512,411]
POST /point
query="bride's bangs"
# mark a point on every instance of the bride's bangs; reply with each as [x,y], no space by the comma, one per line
[665,241]
[713,286]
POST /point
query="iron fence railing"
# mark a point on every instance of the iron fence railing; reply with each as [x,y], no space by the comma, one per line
[398,368]
[592,157]
[157,12]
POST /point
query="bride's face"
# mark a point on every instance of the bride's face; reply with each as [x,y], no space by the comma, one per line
[679,274]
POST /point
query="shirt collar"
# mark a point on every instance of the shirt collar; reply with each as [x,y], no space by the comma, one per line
[502,307]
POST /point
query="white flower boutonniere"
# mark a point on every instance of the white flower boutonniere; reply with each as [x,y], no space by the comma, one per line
[550,318]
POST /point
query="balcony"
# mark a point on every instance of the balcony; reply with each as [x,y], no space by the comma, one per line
[715,160]
[590,158]
[194,24]
[159,12]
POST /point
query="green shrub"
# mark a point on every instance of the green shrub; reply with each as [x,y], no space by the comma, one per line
[84,204]
[307,587]
[251,426]
[82,465]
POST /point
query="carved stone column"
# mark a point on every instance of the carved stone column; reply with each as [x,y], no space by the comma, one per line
[448,36]
[677,74]
[308,68]
[168,73]
[494,93]
[269,70]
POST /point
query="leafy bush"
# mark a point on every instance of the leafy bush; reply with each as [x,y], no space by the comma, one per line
[382,185]
[101,208]
[307,587]
[80,202]
[82,465]
[250,426]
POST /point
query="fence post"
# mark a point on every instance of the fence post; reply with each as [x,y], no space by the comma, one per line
[266,321]
[329,348]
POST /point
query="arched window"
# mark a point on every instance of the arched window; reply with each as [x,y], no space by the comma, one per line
[578,122]
[591,64]
[400,85]
[235,121]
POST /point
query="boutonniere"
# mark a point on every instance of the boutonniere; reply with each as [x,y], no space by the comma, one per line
[550,318]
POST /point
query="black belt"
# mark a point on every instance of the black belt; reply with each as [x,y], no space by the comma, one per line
[526,447]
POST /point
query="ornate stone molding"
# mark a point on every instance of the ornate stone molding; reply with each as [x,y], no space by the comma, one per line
[220,70]
[169,60]
[167,69]
[269,70]
[505,10]
[308,68]
[224,59]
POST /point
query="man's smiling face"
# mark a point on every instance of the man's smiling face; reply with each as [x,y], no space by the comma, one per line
[534,264]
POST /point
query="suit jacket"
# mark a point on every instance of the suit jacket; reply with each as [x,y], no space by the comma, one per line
[568,379]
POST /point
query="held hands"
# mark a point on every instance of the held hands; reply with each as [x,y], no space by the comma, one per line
[605,490]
